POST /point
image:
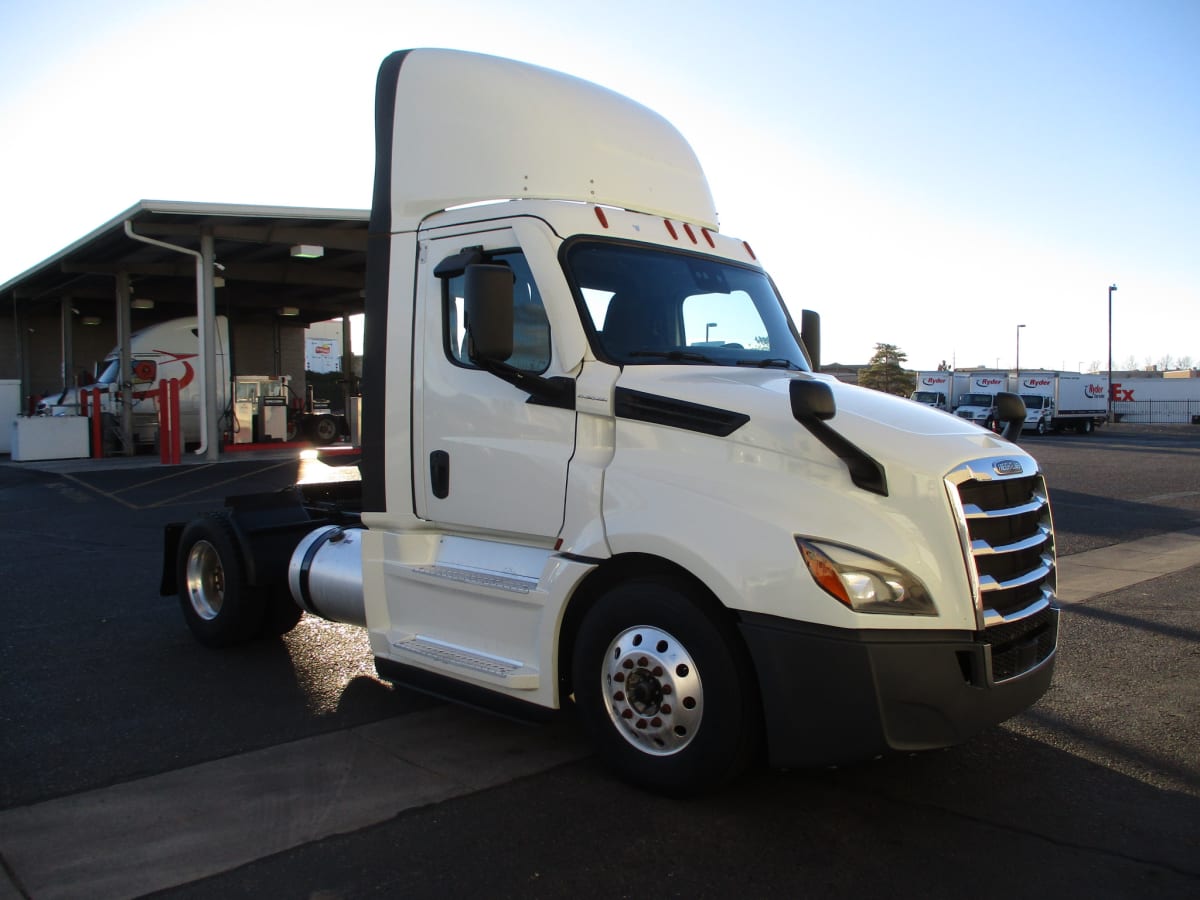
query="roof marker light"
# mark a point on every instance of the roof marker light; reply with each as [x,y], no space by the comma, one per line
[691,234]
[600,215]
[746,244]
[671,229]
[708,237]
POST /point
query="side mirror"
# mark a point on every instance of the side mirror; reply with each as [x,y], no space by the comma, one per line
[810,335]
[1010,409]
[489,312]
[811,400]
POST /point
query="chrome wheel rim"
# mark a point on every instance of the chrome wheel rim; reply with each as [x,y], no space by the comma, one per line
[205,580]
[652,690]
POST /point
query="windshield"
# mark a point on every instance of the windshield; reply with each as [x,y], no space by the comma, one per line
[652,306]
[109,375]
[975,400]
[1033,401]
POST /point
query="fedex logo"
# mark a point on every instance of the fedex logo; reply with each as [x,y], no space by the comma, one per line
[1118,393]
[1036,382]
[989,382]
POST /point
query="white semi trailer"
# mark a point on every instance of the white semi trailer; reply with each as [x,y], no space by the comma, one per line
[573,493]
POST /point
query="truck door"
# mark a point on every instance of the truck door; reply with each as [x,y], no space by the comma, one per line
[485,457]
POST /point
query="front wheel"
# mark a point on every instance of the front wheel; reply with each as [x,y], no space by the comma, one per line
[1041,427]
[665,688]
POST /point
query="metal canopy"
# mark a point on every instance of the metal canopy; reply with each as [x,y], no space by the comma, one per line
[252,246]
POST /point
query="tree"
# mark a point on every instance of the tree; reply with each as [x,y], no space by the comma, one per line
[885,372]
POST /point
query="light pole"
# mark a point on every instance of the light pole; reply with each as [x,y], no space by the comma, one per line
[1019,327]
[707,328]
[1108,415]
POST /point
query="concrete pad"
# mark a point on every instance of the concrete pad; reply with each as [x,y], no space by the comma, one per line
[172,829]
[181,826]
[1085,575]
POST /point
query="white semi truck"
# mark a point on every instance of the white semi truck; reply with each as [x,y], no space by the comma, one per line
[171,350]
[573,493]
[163,351]
[1055,401]
[935,389]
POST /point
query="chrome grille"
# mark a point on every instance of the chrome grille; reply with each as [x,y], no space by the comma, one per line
[1010,540]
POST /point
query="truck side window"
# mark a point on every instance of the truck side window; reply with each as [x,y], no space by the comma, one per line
[531,328]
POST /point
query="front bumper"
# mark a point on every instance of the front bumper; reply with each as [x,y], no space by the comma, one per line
[835,696]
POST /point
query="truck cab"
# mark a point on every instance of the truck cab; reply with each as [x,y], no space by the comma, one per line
[1039,412]
[600,467]
[977,408]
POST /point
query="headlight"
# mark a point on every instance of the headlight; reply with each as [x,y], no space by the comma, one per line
[864,582]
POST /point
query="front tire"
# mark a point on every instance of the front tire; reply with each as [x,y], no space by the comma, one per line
[220,608]
[664,687]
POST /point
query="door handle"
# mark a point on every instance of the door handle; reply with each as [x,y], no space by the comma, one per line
[439,473]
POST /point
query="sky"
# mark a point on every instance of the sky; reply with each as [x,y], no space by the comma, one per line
[926,174]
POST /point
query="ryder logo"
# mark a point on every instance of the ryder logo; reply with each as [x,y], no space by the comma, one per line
[1096,391]
[1032,383]
[990,382]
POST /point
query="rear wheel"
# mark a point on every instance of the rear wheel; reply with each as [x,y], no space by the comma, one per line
[1086,426]
[220,608]
[664,688]
[324,429]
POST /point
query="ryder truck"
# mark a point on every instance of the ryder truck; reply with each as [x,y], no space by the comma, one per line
[935,389]
[576,490]
[1055,401]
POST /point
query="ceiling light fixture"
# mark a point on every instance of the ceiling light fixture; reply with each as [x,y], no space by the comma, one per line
[308,251]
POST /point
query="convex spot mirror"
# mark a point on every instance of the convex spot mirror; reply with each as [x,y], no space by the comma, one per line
[1010,407]
[489,312]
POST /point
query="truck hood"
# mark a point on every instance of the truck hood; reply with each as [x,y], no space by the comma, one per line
[897,433]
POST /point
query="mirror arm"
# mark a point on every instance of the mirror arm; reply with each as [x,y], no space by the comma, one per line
[558,391]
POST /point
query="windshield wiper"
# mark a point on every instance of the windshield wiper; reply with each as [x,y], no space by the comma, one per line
[773,363]
[685,355]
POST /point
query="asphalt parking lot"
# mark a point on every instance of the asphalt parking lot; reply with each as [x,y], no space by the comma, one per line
[135,762]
